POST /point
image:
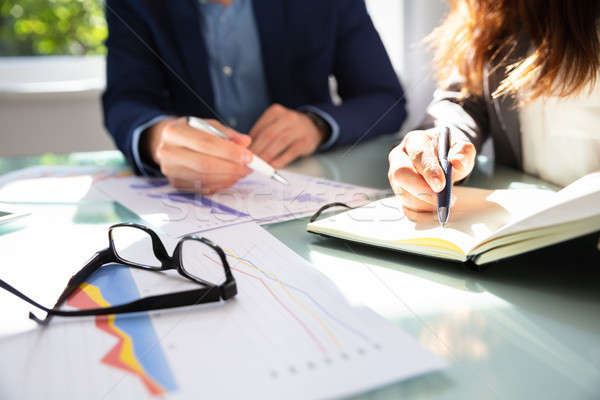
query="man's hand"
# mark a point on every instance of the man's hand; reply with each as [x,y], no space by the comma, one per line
[281,135]
[195,160]
[415,172]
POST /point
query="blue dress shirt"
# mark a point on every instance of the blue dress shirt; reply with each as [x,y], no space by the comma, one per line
[236,72]
[235,62]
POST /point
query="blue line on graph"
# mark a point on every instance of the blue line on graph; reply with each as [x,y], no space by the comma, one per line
[192,198]
[150,184]
[198,201]
[305,198]
[334,184]
[319,306]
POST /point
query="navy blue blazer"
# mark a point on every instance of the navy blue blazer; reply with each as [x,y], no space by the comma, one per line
[157,64]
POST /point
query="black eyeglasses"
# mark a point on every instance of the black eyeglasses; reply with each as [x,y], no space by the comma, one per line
[137,246]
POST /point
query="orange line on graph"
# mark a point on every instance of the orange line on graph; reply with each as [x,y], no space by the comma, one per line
[300,322]
[291,296]
[119,174]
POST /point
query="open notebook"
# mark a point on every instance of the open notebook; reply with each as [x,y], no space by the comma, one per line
[484,226]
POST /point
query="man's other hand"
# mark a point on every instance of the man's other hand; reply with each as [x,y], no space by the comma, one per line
[281,135]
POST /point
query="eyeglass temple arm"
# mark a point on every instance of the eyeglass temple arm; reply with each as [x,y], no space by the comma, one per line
[98,260]
[95,262]
[159,302]
[4,285]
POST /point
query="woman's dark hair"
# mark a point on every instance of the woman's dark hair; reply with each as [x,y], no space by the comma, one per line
[565,56]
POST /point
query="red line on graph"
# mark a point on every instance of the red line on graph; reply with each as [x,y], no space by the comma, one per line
[308,331]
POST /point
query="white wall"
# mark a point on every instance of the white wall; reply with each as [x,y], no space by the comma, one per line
[51,104]
[388,17]
[403,24]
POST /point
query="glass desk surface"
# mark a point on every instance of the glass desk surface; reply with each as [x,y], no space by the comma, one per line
[527,327]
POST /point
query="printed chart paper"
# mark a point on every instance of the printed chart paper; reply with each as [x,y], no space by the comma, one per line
[254,198]
[56,184]
[289,333]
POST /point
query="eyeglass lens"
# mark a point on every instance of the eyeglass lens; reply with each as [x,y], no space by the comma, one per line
[201,261]
[134,245]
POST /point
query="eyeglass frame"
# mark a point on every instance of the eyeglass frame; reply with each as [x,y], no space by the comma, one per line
[209,293]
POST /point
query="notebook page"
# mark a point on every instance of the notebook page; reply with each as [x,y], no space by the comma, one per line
[579,200]
[477,215]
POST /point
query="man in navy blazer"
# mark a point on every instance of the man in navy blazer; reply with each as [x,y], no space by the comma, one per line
[261,67]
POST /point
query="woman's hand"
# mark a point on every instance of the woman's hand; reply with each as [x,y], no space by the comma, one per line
[415,173]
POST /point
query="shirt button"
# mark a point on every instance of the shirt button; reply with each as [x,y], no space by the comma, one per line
[227,70]
[232,122]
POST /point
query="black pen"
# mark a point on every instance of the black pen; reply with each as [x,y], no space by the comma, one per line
[444,197]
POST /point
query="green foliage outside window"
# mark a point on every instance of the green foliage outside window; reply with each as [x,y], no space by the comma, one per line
[52,27]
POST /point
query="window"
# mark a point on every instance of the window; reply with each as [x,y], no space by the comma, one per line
[52,27]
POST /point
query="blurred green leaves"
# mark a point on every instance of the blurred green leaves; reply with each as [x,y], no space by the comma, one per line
[48,27]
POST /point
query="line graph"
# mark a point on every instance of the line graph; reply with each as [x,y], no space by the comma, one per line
[312,300]
[327,361]
[276,278]
[196,200]
[290,332]
[294,316]
[306,198]
[216,207]
[286,288]
[150,184]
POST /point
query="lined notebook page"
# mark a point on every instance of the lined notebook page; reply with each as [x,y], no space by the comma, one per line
[477,215]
